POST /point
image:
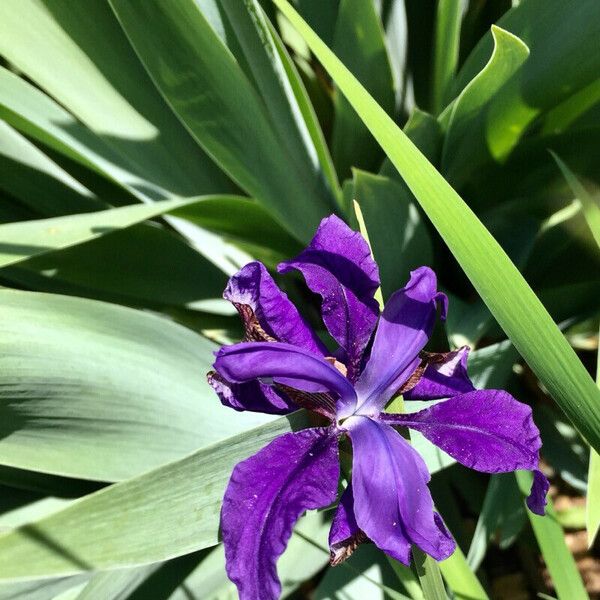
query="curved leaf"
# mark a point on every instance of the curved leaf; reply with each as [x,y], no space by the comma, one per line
[102,380]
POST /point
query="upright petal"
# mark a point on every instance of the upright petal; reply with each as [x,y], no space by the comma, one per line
[266,495]
[486,430]
[253,396]
[536,500]
[338,266]
[345,535]
[444,375]
[392,503]
[403,331]
[267,312]
[284,364]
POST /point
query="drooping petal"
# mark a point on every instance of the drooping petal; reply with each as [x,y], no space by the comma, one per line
[345,535]
[338,266]
[445,375]
[536,501]
[404,328]
[392,503]
[284,364]
[266,495]
[486,430]
[267,312]
[253,396]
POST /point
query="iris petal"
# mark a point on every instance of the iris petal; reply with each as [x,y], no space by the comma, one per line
[345,535]
[252,396]
[445,375]
[284,364]
[403,331]
[486,430]
[267,312]
[266,495]
[337,265]
[392,503]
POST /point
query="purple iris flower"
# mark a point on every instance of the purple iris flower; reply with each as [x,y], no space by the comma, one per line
[282,365]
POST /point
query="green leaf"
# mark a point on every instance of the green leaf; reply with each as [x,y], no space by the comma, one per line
[447,44]
[399,240]
[503,289]
[502,512]
[562,61]
[102,380]
[593,493]
[360,42]
[183,55]
[167,512]
[551,540]
[561,65]
[280,86]
[592,521]
[430,576]
[79,55]
[149,267]
[460,578]
[407,578]
[475,135]
[51,589]
[25,170]
[591,208]
[25,239]
[240,220]
[366,574]
[116,585]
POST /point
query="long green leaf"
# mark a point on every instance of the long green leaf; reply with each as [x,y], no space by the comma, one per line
[280,86]
[22,240]
[197,74]
[25,170]
[359,39]
[430,576]
[502,510]
[103,381]
[591,207]
[461,579]
[167,512]
[551,539]
[447,45]
[513,303]
[591,211]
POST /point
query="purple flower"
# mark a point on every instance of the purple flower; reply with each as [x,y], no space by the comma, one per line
[282,365]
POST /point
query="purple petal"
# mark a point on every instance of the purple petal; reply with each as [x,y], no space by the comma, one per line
[253,396]
[445,375]
[486,430]
[403,330]
[265,309]
[392,503]
[338,266]
[536,501]
[345,535]
[266,495]
[287,365]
